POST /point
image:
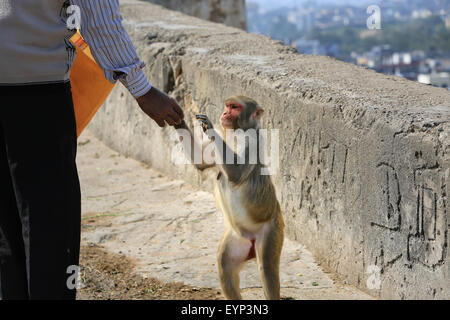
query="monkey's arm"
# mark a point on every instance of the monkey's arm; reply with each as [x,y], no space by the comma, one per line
[228,158]
[191,146]
[235,171]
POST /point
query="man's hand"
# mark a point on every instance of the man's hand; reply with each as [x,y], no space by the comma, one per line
[160,107]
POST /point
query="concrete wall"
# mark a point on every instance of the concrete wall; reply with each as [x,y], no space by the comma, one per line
[364,157]
[229,12]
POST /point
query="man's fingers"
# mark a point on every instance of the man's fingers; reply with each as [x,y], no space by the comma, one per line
[174,116]
[160,107]
[177,109]
[160,122]
[171,121]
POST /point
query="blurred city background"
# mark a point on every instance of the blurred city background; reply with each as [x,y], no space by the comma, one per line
[413,40]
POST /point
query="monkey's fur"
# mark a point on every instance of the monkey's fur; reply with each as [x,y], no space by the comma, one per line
[254,222]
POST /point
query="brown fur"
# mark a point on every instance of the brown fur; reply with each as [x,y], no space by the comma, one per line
[256,228]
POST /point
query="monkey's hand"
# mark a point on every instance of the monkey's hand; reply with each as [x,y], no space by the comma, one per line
[205,123]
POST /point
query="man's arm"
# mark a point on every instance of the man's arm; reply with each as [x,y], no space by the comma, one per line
[111,47]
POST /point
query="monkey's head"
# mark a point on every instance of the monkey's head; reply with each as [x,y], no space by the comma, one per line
[241,112]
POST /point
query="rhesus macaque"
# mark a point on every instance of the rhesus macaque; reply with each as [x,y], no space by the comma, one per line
[254,223]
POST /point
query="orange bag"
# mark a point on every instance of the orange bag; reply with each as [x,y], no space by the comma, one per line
[90,88]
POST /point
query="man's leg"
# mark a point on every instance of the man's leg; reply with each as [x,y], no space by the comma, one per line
[13,275]
[40,137]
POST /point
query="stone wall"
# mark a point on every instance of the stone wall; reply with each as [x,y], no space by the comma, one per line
[229,12]
[364,157]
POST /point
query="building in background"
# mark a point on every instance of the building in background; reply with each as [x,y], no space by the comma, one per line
[413,42]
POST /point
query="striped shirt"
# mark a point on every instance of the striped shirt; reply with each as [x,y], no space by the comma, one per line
[101,27]
[35,45]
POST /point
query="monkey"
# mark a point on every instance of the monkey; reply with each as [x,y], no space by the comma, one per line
[247,199]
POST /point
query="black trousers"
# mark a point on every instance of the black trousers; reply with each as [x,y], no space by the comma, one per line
[40,203]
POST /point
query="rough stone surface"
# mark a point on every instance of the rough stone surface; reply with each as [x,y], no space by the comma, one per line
[364,157]
[172,230]
[229,12]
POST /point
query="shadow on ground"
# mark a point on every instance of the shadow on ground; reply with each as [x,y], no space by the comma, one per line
[145,236]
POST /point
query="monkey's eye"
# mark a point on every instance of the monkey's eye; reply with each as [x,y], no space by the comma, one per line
[234,106]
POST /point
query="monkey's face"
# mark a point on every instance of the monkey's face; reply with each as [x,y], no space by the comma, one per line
[231,114]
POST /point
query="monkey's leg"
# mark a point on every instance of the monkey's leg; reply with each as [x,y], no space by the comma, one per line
[268,251]
[233,252]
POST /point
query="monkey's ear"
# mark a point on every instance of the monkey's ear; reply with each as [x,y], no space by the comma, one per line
[257,114]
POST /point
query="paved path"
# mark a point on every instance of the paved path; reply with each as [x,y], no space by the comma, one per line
[172,230]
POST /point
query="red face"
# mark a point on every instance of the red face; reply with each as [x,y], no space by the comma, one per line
[231,112]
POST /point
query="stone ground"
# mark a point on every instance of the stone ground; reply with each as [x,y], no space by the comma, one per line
[146,236]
